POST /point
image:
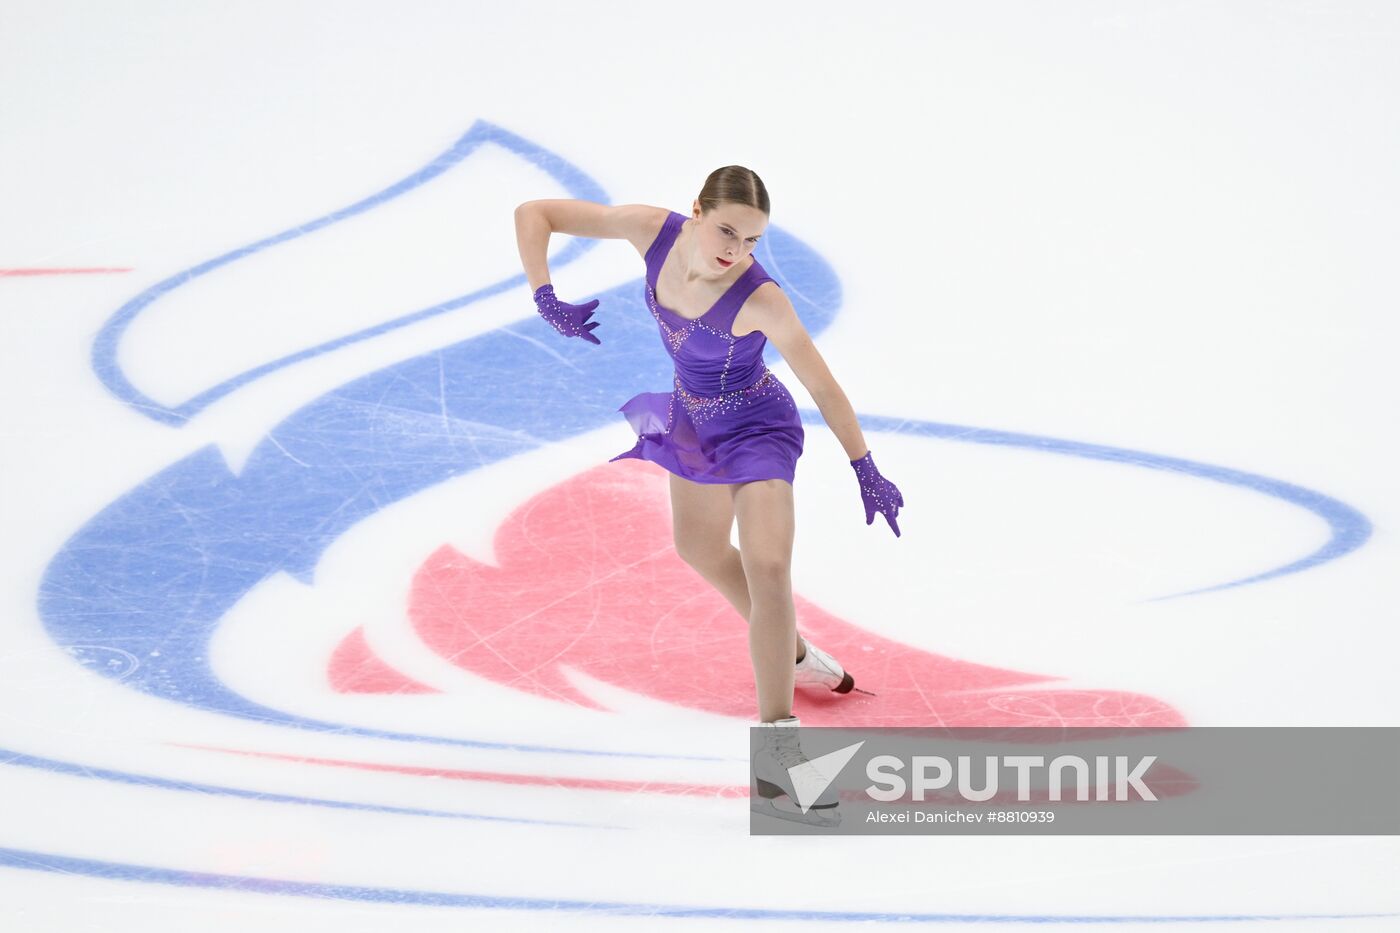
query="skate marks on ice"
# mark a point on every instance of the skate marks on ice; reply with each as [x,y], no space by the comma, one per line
[589,581]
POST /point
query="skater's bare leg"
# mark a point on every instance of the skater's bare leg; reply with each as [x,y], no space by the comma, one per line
[766,525]
[702,516]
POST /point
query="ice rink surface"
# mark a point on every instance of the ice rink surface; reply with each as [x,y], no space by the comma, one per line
[327,611]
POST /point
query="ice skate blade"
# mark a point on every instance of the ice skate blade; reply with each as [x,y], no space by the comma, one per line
[778,807]
[773,800]
[848,684]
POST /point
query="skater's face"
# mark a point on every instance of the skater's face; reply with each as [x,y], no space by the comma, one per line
[727,234]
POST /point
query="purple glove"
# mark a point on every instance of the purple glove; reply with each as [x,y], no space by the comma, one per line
[566,318]
[880,494]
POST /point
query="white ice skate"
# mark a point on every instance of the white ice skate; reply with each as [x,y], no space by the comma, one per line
[819,668]
[784,777]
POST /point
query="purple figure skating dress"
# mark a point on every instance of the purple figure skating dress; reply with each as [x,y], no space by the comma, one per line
[728,419]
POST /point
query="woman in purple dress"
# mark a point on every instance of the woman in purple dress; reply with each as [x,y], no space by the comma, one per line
[728,431]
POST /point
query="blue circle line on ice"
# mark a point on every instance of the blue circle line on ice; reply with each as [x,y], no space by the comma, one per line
[13,758]
[151,874]
[1348,528]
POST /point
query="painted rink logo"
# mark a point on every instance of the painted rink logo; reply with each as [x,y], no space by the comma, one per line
[149,580]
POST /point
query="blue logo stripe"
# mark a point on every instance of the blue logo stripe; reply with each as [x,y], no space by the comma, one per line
[107,344]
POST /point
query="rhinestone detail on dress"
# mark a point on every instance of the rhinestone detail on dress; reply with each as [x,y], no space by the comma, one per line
[674,336]
[702,408]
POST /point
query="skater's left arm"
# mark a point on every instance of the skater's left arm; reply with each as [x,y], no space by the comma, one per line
[779,323]
[776,317]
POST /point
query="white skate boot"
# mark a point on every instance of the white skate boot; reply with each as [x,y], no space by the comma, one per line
[818,667]
[784,777]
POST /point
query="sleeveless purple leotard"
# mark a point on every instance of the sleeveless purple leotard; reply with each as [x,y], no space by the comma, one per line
[728,419]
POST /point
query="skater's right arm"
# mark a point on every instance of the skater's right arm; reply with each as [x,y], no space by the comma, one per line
[536,220]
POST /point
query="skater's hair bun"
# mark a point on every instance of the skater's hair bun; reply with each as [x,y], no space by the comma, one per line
[733,184]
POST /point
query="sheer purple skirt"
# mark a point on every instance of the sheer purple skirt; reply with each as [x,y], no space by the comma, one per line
[741,436]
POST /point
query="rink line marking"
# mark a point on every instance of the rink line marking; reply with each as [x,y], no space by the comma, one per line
[94,270]
[150,874]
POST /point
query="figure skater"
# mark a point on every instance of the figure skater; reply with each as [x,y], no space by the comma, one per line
[728,431]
